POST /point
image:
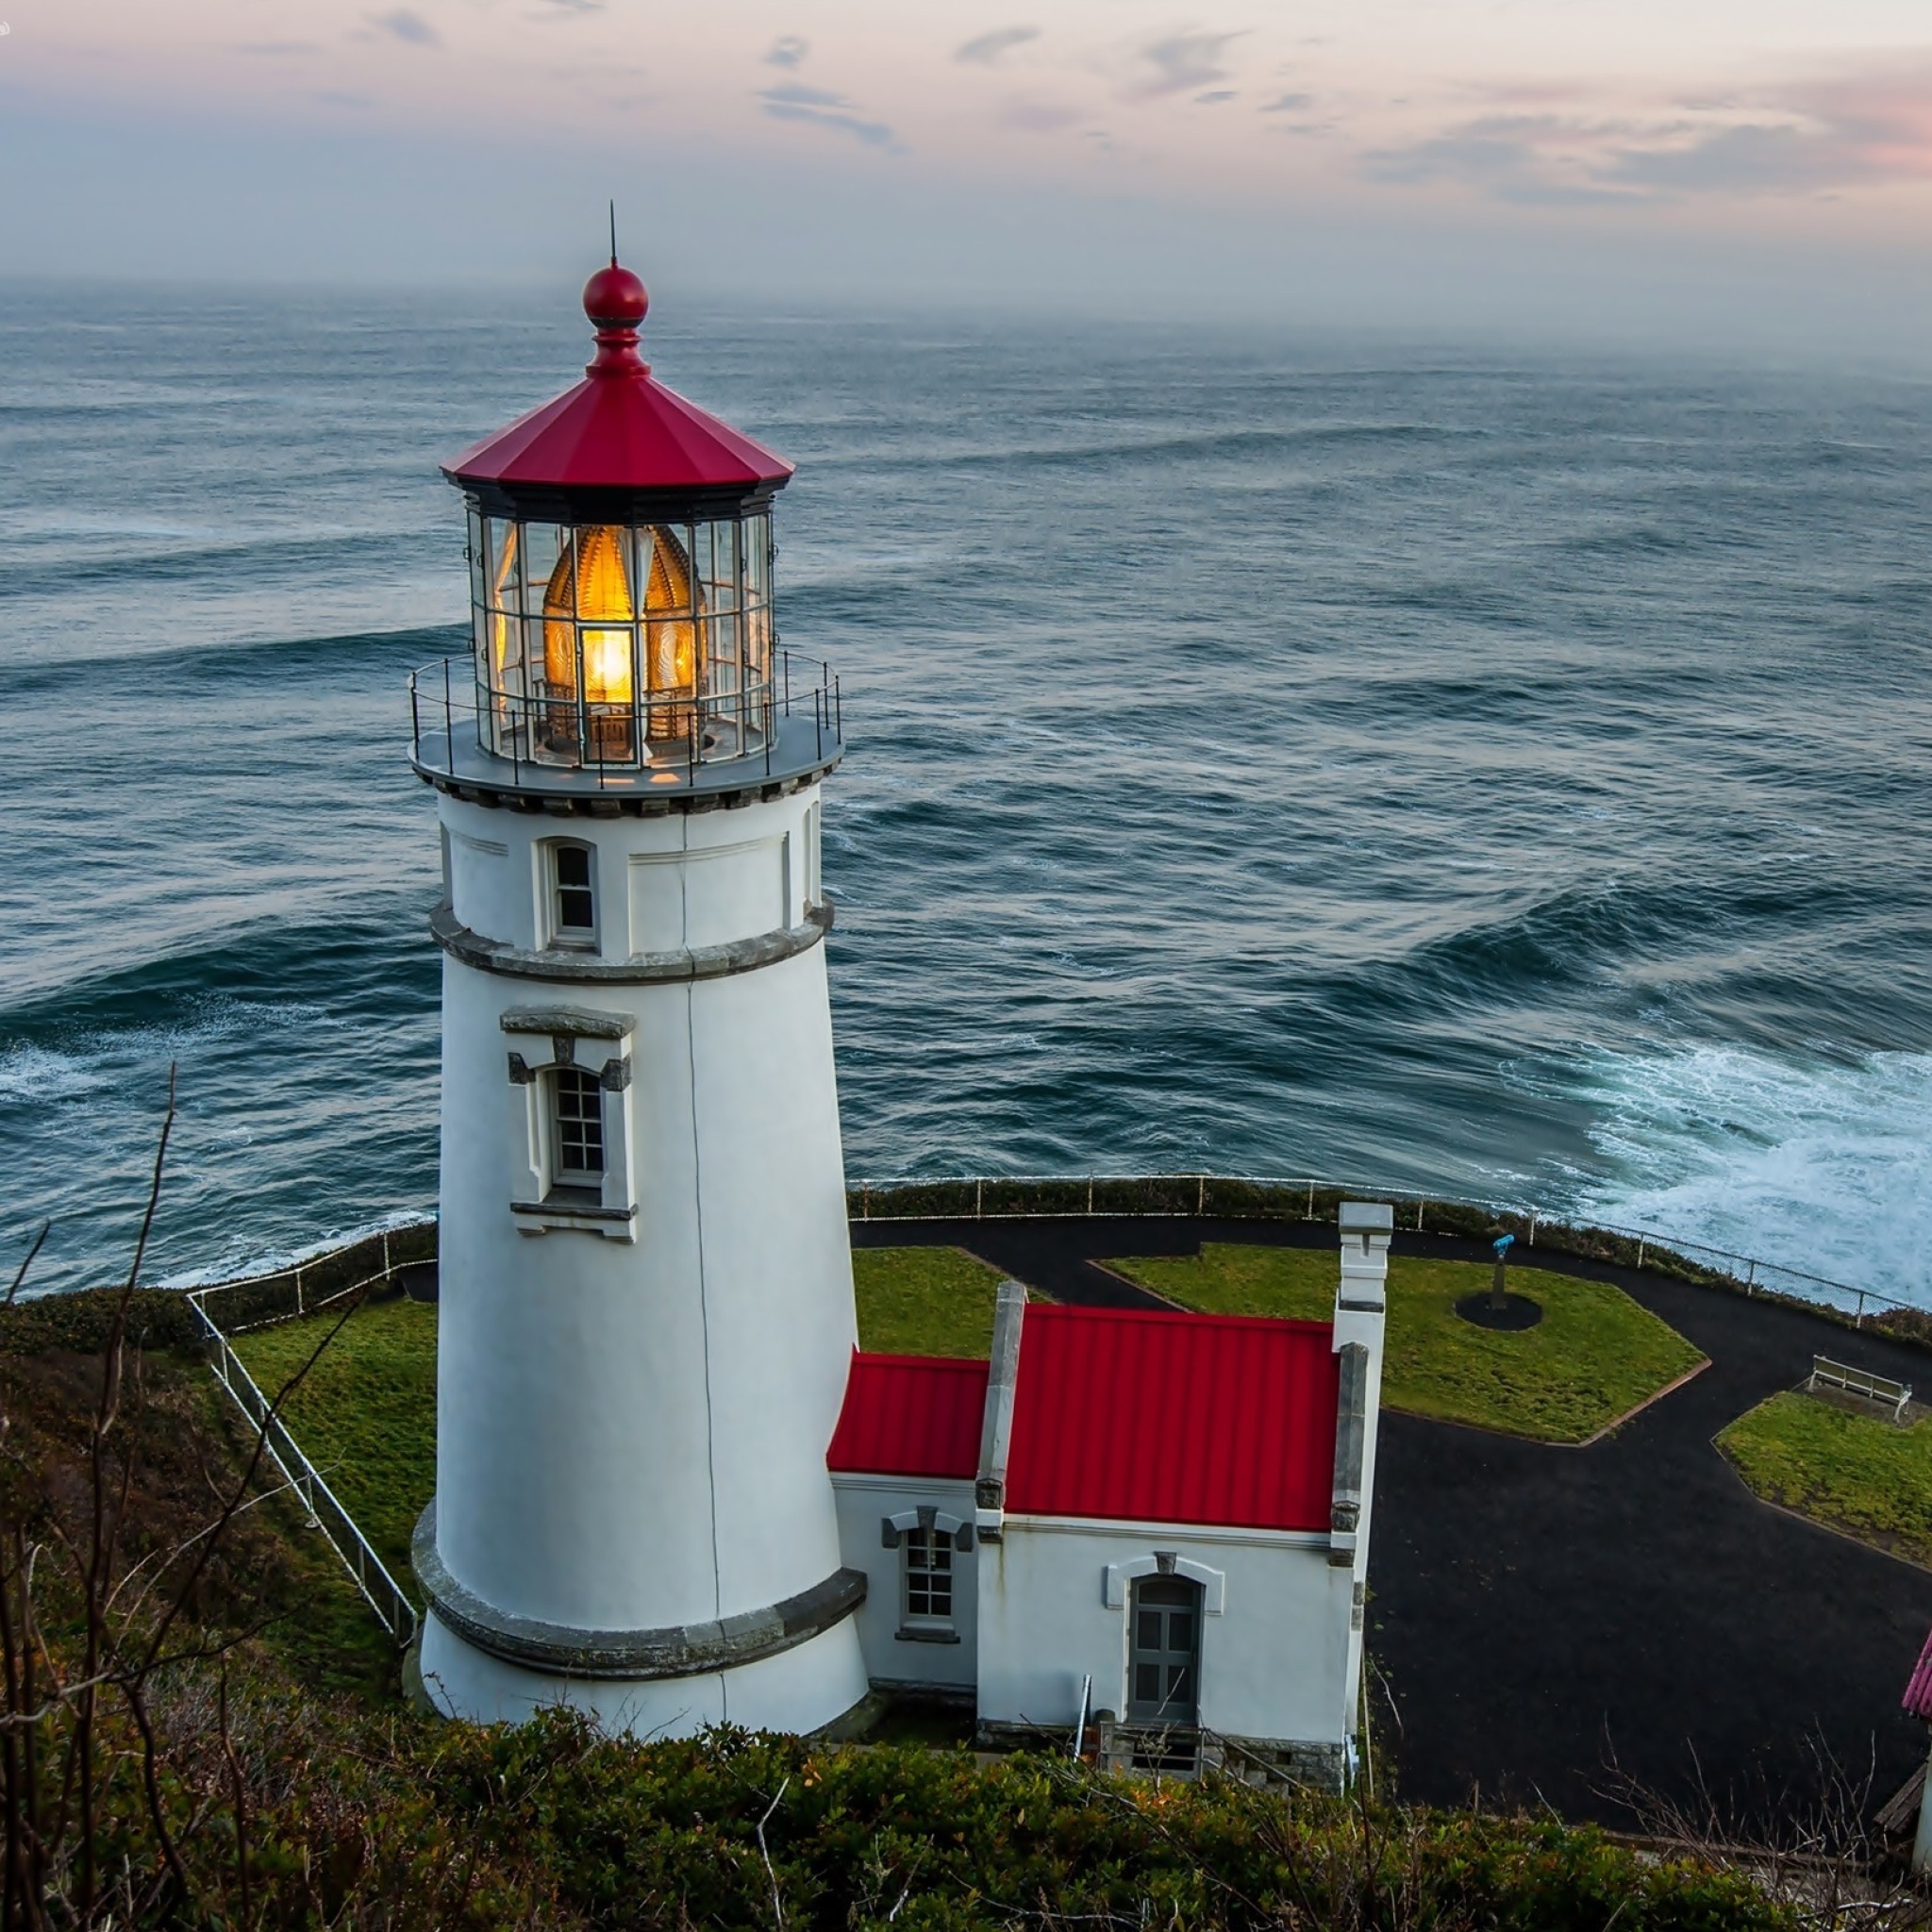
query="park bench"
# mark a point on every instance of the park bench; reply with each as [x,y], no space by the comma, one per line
[1826,1373]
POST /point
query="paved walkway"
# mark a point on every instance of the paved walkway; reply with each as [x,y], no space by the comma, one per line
[1539,1612]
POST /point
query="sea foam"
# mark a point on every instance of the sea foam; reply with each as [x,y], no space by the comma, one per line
[1821,1166]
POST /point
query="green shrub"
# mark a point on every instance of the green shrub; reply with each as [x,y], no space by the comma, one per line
[78,1322]
[668,1835]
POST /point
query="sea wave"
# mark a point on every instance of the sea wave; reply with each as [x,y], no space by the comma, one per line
[1824,1166]
[1207,445]
[214,986]
[277,656]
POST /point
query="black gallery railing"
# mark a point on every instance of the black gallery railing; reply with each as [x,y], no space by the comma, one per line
[660,734]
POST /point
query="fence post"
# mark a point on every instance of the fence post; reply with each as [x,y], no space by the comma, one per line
[1201,1198]
[1089,1197]
[1640,1257]
[979,1200]
[299,1309]
[1532,1230]
[1419,1215]
[1310,1214]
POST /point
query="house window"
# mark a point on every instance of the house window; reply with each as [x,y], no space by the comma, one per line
[926,1565]
[577,1128]
[572,895]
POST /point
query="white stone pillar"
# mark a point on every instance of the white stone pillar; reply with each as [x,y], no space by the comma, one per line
[1360,1307]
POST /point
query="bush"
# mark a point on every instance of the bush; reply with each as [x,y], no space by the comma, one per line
[77,1324]
[668,1834]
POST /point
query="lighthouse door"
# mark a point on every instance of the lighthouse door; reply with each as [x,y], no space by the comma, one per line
[1164,1660]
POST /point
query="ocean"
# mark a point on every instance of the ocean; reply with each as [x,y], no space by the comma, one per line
[1442,767]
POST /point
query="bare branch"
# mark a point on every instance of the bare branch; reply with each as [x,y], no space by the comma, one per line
[21,1275]
[764,1851]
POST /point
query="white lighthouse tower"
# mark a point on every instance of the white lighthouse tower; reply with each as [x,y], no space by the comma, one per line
[647,1287]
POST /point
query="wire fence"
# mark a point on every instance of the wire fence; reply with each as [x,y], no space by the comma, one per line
[1313,1197]
[393,1605]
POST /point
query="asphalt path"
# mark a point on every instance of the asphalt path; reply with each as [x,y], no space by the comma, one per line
[1565,1626]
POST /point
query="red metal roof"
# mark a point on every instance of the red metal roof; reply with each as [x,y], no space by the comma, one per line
[620,428]
[910,1415]
[1156,1418]
[1918,1691]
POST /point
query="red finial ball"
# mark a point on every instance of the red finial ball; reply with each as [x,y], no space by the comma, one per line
[615,299]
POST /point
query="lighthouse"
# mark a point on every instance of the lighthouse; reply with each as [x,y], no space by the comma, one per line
[646,1313]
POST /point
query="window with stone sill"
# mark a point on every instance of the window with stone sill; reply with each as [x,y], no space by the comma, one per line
[926,1568]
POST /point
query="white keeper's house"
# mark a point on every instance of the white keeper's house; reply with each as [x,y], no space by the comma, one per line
[670,1489]
[1144,1526]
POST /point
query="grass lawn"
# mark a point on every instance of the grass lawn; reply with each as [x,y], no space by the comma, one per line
[1855,1473]
[1593,1357]
[365,1414]
[924,1301]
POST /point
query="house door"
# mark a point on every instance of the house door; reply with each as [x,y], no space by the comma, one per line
[1164,1663]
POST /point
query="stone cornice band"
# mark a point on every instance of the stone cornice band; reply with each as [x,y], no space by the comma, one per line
[641,969]
[675,1650]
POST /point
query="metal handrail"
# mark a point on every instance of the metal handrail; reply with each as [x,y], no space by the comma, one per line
[384,1594]
[1756,1273]
[754,715]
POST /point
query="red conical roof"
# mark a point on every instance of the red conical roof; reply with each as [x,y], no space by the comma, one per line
[620,433]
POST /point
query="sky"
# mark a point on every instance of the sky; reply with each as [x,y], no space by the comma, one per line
[1759,167]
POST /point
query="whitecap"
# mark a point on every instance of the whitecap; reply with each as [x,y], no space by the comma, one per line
[37,1074]
[1824,1167]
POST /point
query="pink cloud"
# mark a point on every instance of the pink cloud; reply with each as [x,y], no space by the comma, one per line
[1885,120]
[1799,140]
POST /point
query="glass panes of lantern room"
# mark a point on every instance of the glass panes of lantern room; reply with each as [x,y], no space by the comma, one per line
[622,644]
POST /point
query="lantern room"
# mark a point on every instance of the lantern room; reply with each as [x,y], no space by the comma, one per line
[620,551]
[615,643]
